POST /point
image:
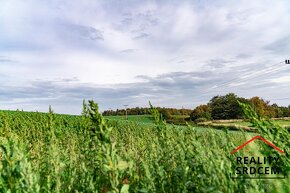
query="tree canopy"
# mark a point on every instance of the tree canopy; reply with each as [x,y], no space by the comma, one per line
[227,107]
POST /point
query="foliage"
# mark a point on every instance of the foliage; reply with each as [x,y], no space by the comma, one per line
[60,153]
[226,107]
[263,108]
[201,111]
[260,106]
[146,111]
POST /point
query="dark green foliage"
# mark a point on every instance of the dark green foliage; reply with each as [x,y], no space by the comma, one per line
[226,107]
[146,111]
[166,114]
[201,112]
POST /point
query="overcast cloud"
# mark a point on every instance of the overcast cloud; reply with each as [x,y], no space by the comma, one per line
[173,53]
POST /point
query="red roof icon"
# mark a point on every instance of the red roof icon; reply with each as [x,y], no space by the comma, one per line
[254,138]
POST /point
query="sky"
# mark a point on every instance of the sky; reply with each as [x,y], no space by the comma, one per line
[173,53]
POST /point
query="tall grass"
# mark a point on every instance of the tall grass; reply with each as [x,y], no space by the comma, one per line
[58,153]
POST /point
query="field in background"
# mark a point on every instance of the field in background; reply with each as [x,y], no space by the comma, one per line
[149,119]
[136,118]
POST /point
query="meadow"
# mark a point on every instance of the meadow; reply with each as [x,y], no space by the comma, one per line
[234,125]
[46,152]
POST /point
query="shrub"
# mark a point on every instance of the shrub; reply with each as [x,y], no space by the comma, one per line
[202,111]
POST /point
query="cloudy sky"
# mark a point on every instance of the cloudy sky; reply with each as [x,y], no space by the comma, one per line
[173,53]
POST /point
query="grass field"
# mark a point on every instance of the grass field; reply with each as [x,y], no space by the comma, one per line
[136,118]
[45,152]
[149,119]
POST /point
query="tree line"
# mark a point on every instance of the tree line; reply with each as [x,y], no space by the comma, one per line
[145,111]
[227,107]
[218,108]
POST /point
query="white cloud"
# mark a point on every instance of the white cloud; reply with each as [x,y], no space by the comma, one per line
[111,42]
[283,79]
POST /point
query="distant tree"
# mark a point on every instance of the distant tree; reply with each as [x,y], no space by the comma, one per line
[145,111]
[286,112]
[260,106]
[226,107]
[201,111]
[276,111]
[165,113]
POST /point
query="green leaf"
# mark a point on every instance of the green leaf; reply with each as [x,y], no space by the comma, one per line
[122,165]
[125,188]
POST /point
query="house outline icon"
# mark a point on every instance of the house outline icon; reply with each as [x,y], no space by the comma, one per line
[253,139]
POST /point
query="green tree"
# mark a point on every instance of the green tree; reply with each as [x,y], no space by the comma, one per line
[262,107]
[165,113]
[226,107]
[201,111]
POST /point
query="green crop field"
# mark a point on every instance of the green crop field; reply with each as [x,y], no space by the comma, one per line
[136,118]
[244,123]
[148,119]
[46,152]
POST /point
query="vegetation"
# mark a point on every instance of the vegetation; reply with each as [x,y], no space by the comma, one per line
[135,118]
[146,111]
[60,153]
[227,107]
[218,108]
[201,112]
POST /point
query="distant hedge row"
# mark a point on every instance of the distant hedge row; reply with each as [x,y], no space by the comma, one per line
[227,107]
